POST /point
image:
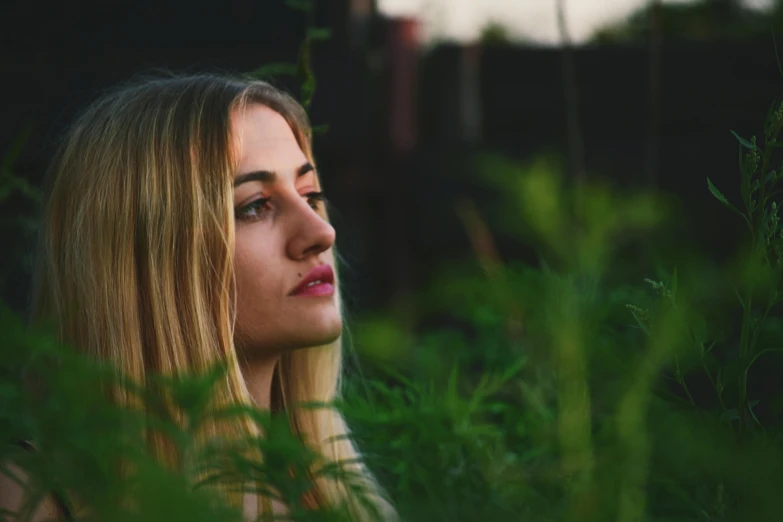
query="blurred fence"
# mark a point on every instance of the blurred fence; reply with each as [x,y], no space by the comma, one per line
[395,204]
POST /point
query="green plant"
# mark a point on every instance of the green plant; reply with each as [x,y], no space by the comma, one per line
[303,69]
[24,224]
[601,419]
[57,398]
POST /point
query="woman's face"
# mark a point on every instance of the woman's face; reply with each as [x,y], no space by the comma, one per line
[281,236]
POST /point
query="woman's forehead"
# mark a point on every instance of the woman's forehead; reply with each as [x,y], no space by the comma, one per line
[264,139]
[258,122]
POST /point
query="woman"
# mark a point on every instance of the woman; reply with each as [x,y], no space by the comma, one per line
[185,225]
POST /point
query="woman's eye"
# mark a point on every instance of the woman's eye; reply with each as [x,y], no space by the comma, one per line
[314,199]
[254,210]
[259,208]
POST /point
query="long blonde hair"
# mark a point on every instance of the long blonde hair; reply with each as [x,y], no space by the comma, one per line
[135,258]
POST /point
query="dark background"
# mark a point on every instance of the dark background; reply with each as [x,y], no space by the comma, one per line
[656,98]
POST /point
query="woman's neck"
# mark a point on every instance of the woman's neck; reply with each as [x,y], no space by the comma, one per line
[258,375]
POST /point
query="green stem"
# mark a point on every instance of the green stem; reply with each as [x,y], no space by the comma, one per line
[714,386]
[768,149]
[772,301]
[743,380]
[746,345]
[712,381]
[684,386]
[681,382]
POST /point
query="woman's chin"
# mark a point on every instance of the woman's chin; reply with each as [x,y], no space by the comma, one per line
[317,331]
[294,330]
[324,324]
[326,333]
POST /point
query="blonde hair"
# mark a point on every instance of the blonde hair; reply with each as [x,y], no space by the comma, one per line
[135,258]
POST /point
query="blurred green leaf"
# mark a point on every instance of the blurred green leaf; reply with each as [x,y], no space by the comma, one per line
[745,143]
[717,193]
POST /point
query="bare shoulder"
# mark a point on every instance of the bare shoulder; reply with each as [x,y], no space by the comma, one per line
[12,497]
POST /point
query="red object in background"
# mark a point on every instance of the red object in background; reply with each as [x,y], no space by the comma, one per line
[403,51]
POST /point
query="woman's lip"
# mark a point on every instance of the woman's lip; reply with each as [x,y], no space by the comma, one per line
[322,273]
[321,289]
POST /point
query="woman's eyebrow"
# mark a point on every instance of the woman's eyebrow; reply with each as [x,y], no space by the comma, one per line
[268,176]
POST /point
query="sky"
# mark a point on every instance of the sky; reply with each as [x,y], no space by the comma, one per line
[463,20]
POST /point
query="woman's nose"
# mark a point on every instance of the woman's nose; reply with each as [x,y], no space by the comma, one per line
[310,233]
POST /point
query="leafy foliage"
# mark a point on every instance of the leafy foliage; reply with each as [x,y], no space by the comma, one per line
[699,20]
[82,438]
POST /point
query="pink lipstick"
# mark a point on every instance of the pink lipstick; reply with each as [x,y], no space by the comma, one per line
[319,282]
